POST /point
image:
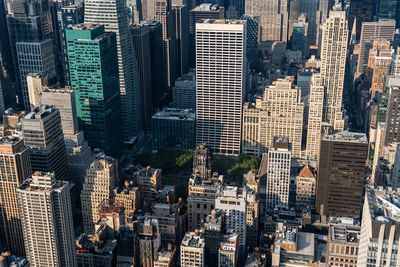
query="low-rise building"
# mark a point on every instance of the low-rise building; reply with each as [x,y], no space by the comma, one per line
[342,247]
[174,129]
[192,250]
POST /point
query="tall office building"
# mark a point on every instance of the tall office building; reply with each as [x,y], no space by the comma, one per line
[163,13]
[220,83]
[100,179]
[379,228]
[233,201]
[316,105]
[67,16]
[333,64]
[78,151]
[388,9]
[181,32]
[392,131]
[278,172]
[184,91]
[341,174]
[92,56]
[382,29]
[278,115]
[46,216]
[203,11]
[141,42]
[202,163]
[274,17]
[42,132]
[113,15]
[158,66]
[14,157]
[34,57]
[36,83]
[360,11]
[27,21]
[192,250]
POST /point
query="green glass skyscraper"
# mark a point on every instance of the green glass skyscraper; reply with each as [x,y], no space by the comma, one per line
[93,63]
[389,9]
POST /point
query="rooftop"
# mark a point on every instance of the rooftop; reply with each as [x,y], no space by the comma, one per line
[207,7]
[193,239]
[384,204]
[222,21]
[344,234]
[175,114]
[346,136]
[40,112]
[85,26]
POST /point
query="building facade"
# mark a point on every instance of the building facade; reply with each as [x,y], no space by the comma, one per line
[14,157]
[113,15]
[220,87]
[46,216]
[92,56]
[341,174]
[100,179]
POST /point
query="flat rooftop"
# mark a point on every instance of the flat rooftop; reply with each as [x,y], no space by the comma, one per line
[222,21]
[346,136]
[175,114]
[194,240]
[384,204]
[344,234]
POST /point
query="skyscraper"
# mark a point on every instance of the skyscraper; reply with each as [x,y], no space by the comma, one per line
[78,151]
[274,16]
[278,115]
[379,216]
[316,104]
[389,9]
[14,157]
[27,21]
[392,131]
[93,65]
[158,66]
[42,132]
[360,11]
[181,32]
[34,57]
[220,83]
[382,29]
[333,64]
[278,172]
[100,179]
[113,15]
[67,16]
[46,216]
[341,174]
[203,11]
[141,42]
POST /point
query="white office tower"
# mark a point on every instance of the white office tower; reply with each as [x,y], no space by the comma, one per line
[335,34]
[46,217]
[379,240]
[316,104]
[78,151]
[278,174]
[220,83]
[34,57]
[113,15]
[274,18]
[101,177]
[233,201]
[192,249]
